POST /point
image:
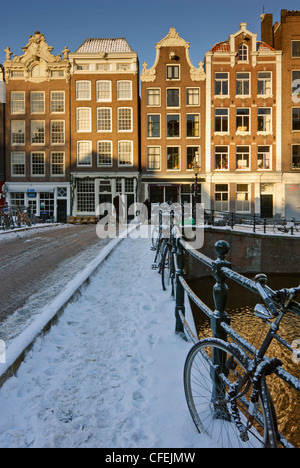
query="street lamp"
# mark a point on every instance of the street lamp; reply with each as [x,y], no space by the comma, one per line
[196,169]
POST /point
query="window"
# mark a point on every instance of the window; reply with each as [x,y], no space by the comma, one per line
[221,197]
[103,91]
[37,102]
[173,126]
[296,156]
[193,125]
[242,53]
[104,153]
[18,164]
[153,158]
[37,132]
[296,119]
[242,84]
[86,196]
[83,67]
[221,158]
[57,164]
[153,97]
[125,119]
[172,72]
[263,157]
[17,74]
[190,156]
[264,120]
[83,90]
[124,90]
[264,84]
[57,73]
[243,120]
[17,198]
[221,120]
[242,197]
[104,121]
[125,153]
[37,164]
[17,132]
[173,97]
[84,153]
[57,101]
[173,158]
[296,86]
[243,157]
[83,119]
[221,84]
[192,96]
[17,102]
[153,126]
[295,48]
[57,132]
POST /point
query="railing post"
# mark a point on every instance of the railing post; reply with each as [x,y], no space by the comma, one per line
[179,293]
[220,291]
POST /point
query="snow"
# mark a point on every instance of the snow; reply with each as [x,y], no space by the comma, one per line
[110,372]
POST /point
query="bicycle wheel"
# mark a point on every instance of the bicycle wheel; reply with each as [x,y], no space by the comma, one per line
[279,228]
[206,387]
[166,267]
[154,237]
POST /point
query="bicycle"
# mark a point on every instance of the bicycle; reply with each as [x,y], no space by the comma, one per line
[22,217]
[7,221]
[282,227]
[226,389]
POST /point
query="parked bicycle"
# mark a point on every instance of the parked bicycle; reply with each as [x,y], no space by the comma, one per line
[7,220]
[285,227]
[226,389]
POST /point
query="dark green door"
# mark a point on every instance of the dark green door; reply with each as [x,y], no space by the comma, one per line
[266,206]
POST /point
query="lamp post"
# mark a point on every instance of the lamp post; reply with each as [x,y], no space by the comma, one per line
[196,169]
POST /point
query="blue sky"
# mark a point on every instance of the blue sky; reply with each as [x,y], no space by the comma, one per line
[141,22]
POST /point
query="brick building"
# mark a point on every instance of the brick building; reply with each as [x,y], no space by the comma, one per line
[104,124]
[285,36]
[243,125]
[37,134]
[2,130]
[172,122]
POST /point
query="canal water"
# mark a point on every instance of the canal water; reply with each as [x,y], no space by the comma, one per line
[240,306]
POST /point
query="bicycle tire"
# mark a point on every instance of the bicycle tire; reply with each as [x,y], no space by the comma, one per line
[166,267]
[280,228]
[212,415]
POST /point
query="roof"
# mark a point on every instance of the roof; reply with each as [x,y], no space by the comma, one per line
[225,47]
[104,45]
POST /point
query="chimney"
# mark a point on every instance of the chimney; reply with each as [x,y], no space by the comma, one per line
[267,28]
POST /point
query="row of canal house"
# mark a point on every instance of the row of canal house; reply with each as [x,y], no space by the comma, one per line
[77,133]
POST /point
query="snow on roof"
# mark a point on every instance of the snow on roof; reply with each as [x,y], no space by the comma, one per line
[104,45]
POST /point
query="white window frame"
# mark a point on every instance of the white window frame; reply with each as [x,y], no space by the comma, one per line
[152,97]
[57,102]
[83,94]
[19,103]
[298,166]
[124,94]
[241,155]
[266,120]
[172,66]
[157,158]
[108,112]
[106,92]
[149,123]
[15,134]
[223,118]
[197,150]
[221,81]
[128,163]
[34,102]
[32,132]
[172,107]
[87,155]
[194,96]
[264,159]
[298,109]
[243,132]
[176,169]
[244,55]
[222,202]
[265,85]
[199,127]
[221,154]
[295,56]
[83,125]
[54,164]
[52,133]
[42,154]
[124,121]
[242,81]
[243,202]
[179,125]
[110,153]
[13,164]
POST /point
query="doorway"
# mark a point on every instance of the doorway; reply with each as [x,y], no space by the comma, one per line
[266,206]
[61,215]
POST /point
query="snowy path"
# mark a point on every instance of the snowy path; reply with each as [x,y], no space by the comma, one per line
[109,374]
